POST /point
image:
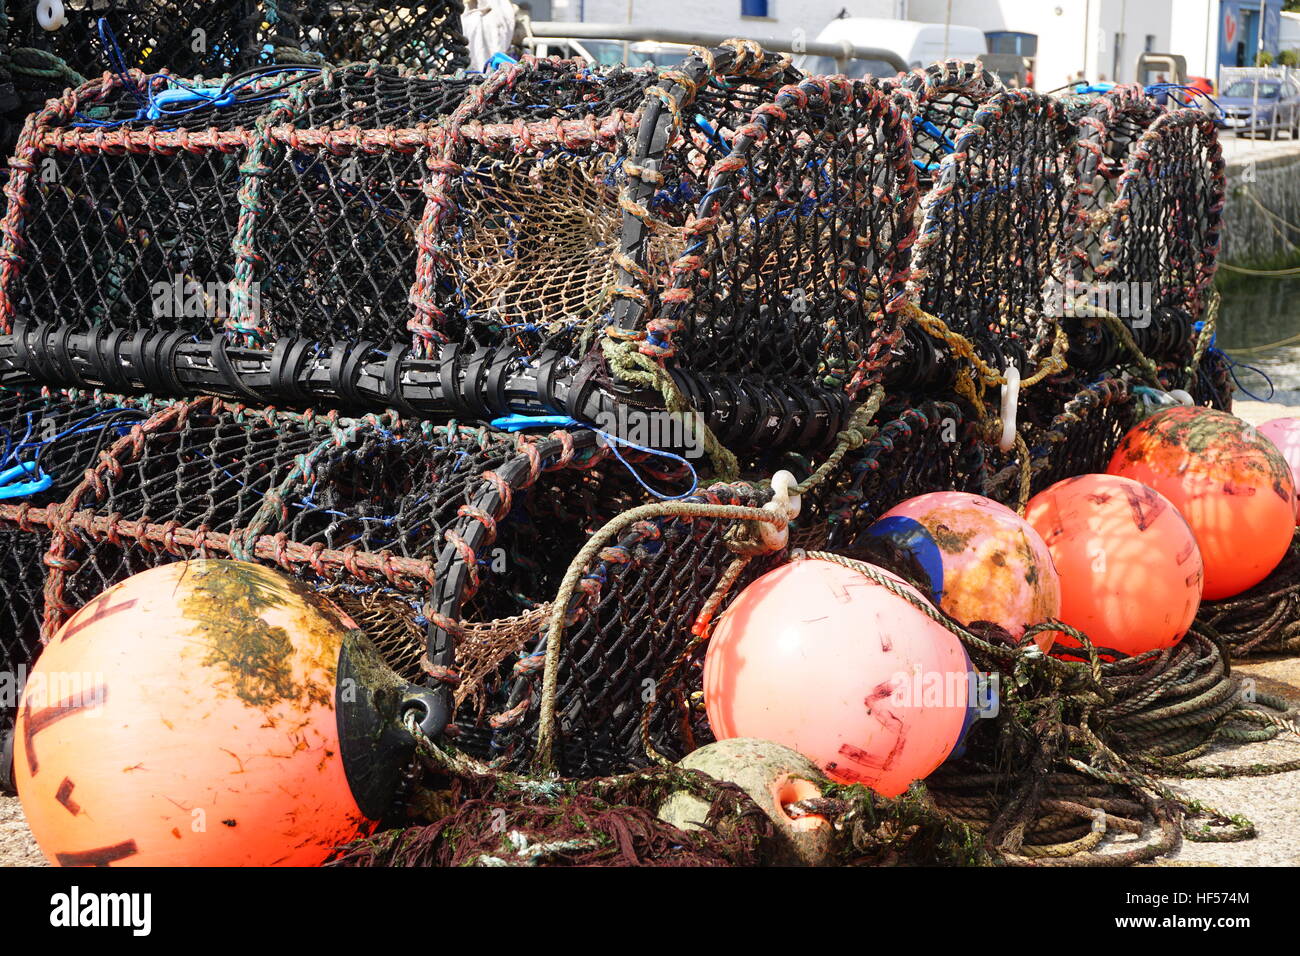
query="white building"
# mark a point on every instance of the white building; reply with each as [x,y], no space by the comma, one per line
[1100,38]
[756,19]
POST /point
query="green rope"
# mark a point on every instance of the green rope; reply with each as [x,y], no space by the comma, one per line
[632,366]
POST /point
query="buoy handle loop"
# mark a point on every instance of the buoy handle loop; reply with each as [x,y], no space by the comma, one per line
[51,15]
[786,506]
[1010,402]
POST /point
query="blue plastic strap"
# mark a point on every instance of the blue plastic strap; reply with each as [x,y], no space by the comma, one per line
[9,488]
[517,423]
[211,95]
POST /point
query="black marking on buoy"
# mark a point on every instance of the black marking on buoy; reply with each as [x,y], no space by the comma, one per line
[101,611]
[35,723]
[1146,504]
[64,796]
[102,856]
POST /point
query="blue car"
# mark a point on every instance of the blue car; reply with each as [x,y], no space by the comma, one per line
[1265,105]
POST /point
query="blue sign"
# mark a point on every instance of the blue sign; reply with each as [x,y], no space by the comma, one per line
[1242,34]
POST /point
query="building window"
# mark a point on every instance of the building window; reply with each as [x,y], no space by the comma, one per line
[1150,45]
[753,8]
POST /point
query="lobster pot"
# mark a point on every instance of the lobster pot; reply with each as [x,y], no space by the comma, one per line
[536,236]
[49,440]
[784,289]
[1110,127]
[229,220]
[443,542]
[215,37]
[998,227]
[627,671]
[524,216]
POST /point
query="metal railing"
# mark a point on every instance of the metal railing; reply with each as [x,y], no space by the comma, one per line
[539,32]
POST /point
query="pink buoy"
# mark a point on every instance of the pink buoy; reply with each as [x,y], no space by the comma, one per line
[973,557]
[822,659]
[1285,434]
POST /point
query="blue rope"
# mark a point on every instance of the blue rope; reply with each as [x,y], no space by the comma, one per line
[154,104]
[515,423]
[1156,89]
[115,58]
[1233,365]
[14,465]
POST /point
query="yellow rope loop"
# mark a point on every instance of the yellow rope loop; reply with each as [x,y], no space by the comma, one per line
[1055,363]
[1082,308]
[628,363]
[987,375]
[855,434]
[1026,474]
[1207,333]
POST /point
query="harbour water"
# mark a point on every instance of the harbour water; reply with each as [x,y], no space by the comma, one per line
[1259,329]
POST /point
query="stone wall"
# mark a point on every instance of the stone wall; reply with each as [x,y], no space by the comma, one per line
[1255,236]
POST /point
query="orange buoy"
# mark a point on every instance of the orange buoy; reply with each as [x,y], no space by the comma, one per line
[972,556]
[1232,485]
[1285,434]
[1130,563]
[190,716]
[822,659]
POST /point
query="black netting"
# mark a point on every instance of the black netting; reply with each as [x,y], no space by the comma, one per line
[998,227]
[942,100]
[214,37]
[424,35]
[628,631]
[932,447]
[189,37]
[1110,129]
[1172,195]
[796,277]
[121,241]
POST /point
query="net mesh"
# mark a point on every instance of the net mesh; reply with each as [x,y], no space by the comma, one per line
[213,37]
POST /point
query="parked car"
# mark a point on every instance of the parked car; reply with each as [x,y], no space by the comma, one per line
[1267,104]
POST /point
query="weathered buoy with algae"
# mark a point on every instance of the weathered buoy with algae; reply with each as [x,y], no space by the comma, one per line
[774,777]
[207,713]
[1231,484]
[971,556]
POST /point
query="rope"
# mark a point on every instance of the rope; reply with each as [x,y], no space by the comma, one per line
[544,756]
[631,365]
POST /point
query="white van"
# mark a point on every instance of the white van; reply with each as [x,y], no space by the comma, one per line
[918,44]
